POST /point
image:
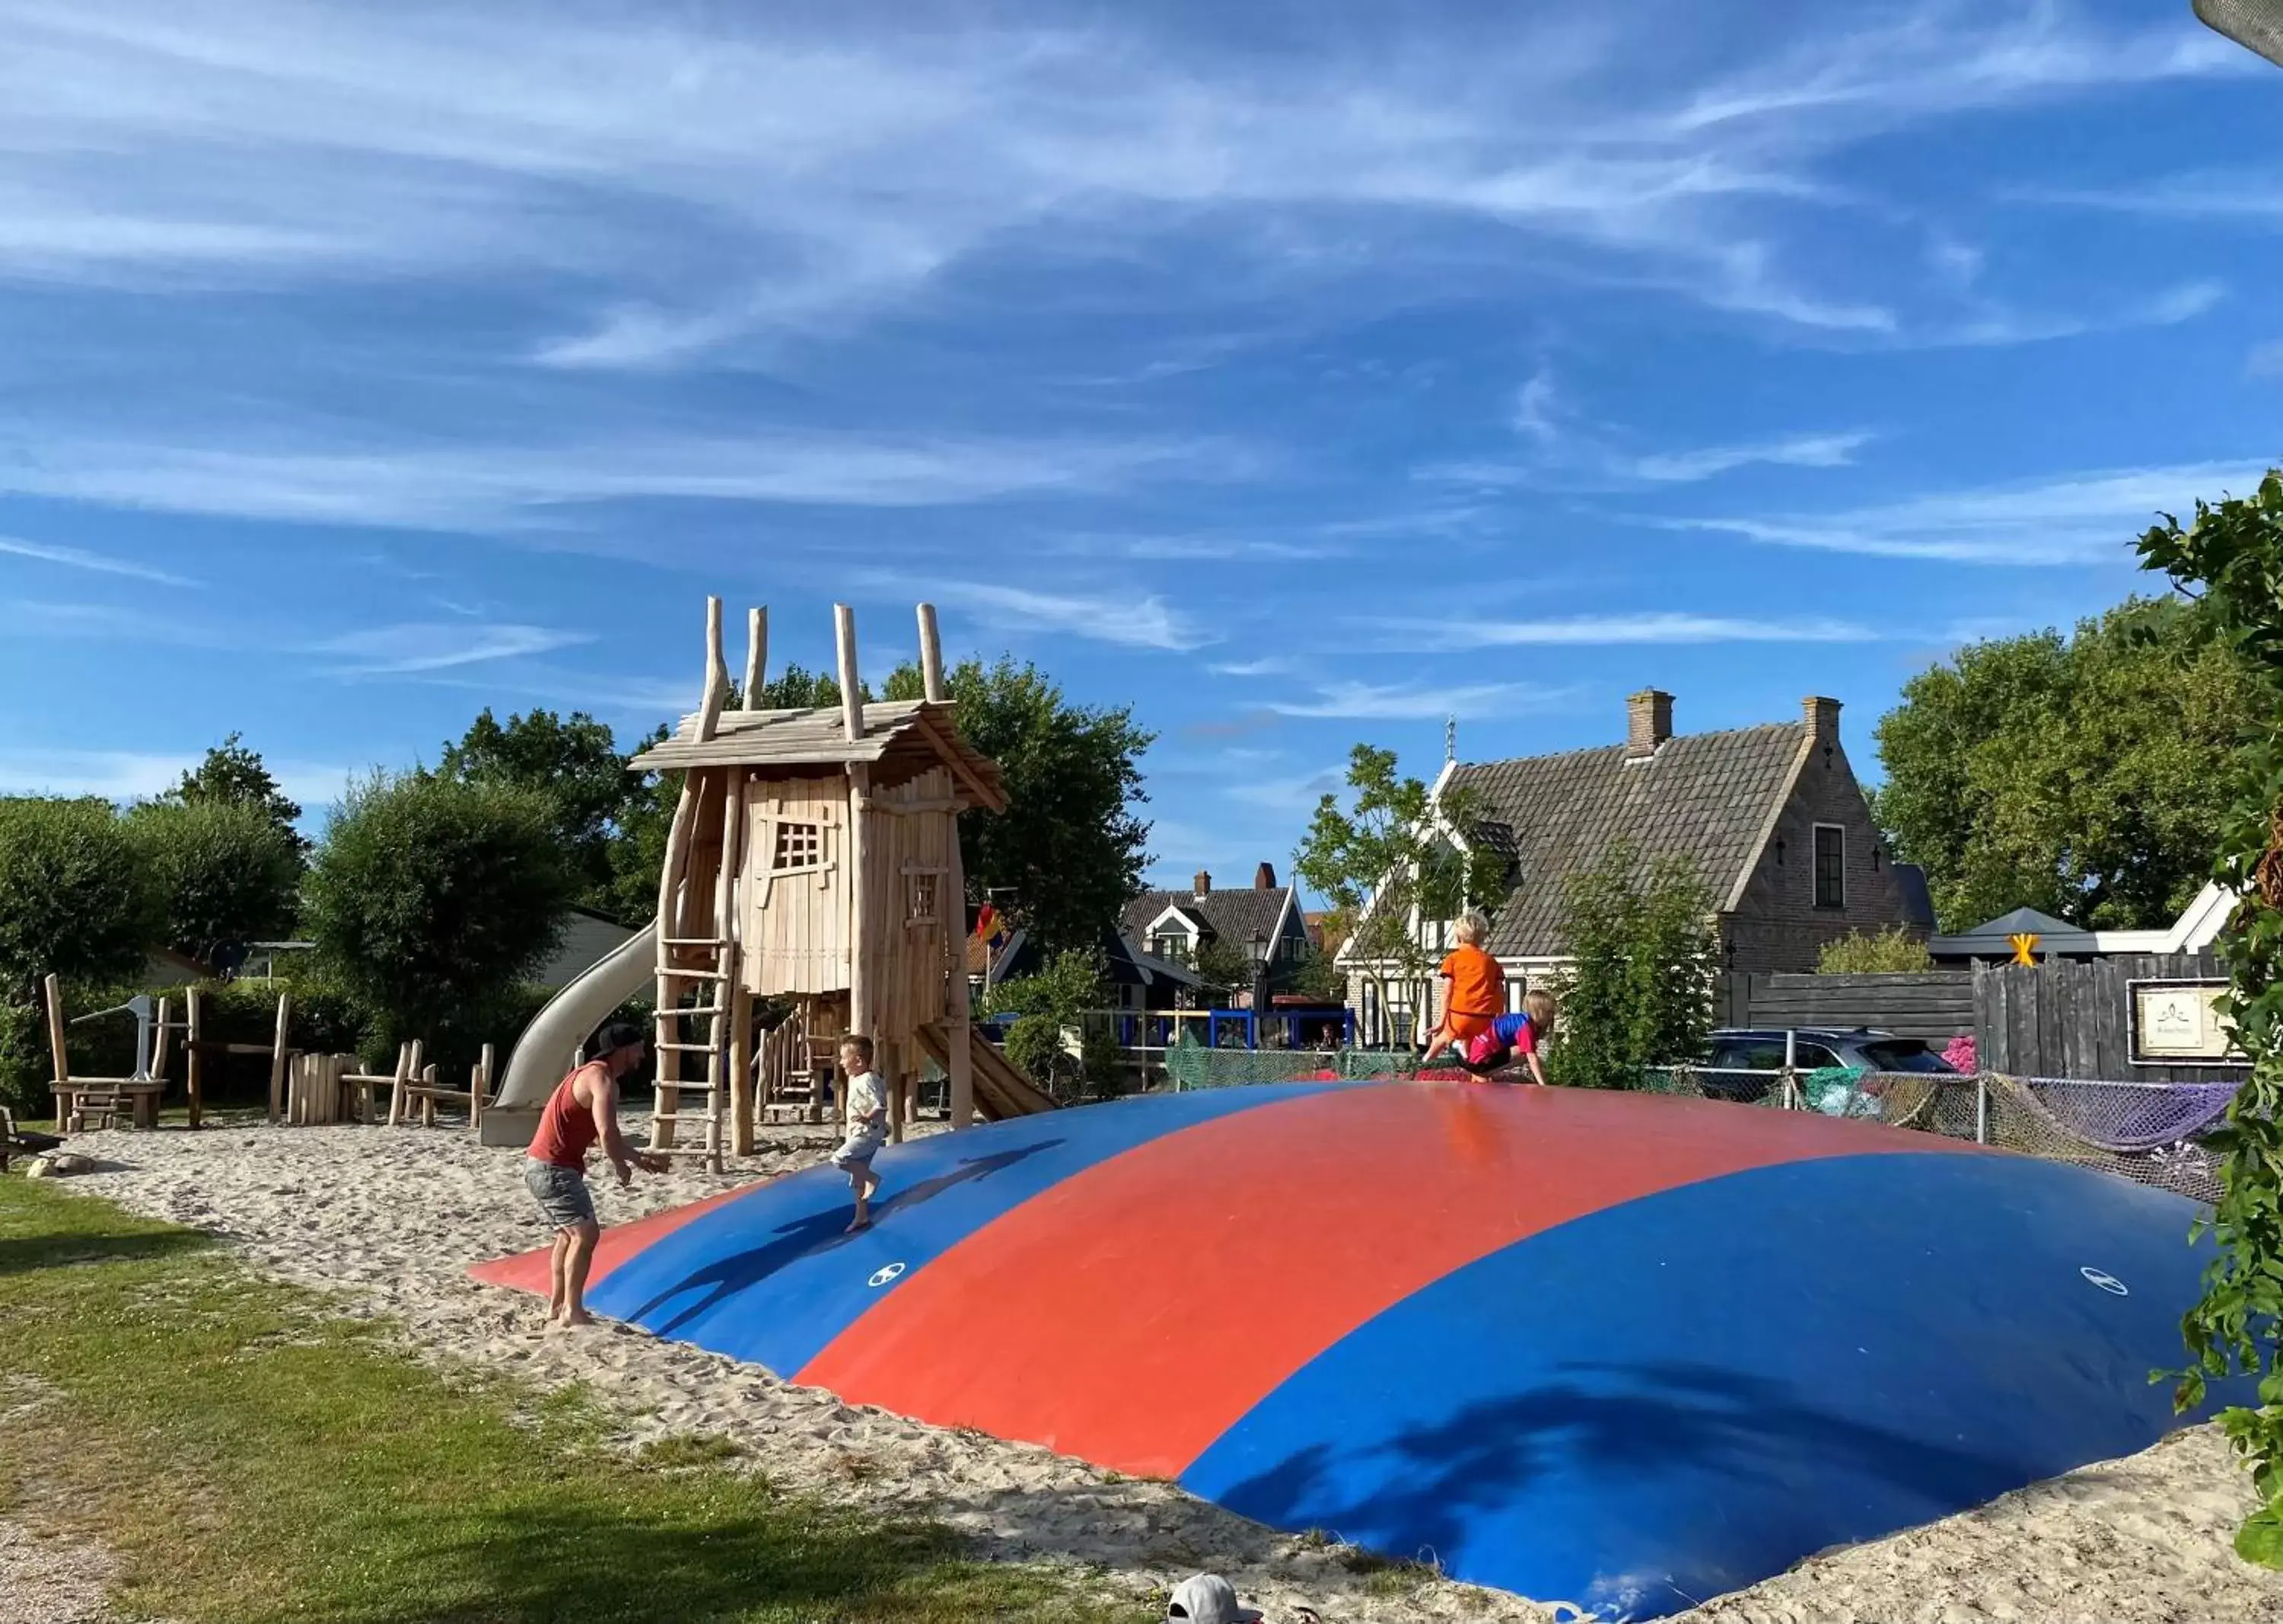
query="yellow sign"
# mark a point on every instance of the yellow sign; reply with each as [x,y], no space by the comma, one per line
[2181,1022]
[2025,947]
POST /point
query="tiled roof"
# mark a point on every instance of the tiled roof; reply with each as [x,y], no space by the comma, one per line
[1233,916]
[1705,796]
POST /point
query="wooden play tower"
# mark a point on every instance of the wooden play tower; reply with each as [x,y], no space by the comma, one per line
[814,859]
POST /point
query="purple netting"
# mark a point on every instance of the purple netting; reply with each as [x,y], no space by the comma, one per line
[2126,1120]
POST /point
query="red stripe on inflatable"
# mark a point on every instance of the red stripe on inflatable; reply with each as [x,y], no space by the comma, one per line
[527,1271]
[1133,1313]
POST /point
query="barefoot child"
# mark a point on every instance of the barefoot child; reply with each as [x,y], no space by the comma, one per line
[1510,1036]
[867,1125]
[583,1109]
[1474,990]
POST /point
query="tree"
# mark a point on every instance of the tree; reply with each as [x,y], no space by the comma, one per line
[1069,847]
[1070,987]
[218,872]
[72,901]
[231,775]
[1861,953]
[1388,862]
[2084,776]
[431,897]
[1226,969]
[1643,959]
[71,905]
[2233,555]
[575,762]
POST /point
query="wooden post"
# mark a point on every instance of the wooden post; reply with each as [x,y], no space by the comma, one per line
[402,1080]
[860,944]
[851,702]
[741,1070]
[931,656]
[158,1049]
[959,1060]
[278,1051]
[52,994]
[195,1071]
[478,1085]
[757,655]
[429,1084]
[717,673]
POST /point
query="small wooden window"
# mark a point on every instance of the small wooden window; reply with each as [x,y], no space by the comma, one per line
[919,900]
[1830,866]
[800,846]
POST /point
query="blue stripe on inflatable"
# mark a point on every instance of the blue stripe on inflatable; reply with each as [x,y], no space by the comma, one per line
[772,1277]
[1679,1396]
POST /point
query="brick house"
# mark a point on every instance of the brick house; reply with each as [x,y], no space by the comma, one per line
[1771,816]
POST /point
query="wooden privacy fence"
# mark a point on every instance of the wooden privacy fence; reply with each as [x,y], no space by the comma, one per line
[2069,1017]
[1935,1005]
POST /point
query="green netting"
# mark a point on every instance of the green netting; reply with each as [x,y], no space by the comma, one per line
[1193,1065]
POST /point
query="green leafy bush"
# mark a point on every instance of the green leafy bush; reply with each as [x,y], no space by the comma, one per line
[217,871]
[1034,1044]
[70,903]
[1891,950]
[1643,957]
[431,899]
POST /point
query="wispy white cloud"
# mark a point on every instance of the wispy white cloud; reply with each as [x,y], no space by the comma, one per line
[1793,451]
[2265,360]
[1652,626]
[99,563]
[507,488]
[1291,792]
[1109,616]
[716,177]
[132,774]
[1419,701]
[2073,519]
[402,650]
[2252,195]
[1269,666]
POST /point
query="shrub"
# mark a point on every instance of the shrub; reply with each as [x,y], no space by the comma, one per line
[431,899]
[1639,989]
[218,872]
[1034,1044]
[70,901]
[1889,950]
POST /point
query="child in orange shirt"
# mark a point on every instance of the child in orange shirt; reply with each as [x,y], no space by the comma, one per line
[1474,990]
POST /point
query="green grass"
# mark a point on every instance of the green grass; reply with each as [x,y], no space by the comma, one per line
[252,1459]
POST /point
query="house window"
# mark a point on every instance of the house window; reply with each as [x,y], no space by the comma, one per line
[1170,946]
[1830,866]
[920,899]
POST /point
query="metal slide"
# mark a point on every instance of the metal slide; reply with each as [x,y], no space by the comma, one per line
[549,1045]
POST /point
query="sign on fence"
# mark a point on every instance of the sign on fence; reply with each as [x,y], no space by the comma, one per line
[2180,1022]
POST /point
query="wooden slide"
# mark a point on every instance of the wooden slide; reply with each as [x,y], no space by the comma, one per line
[1000,1089]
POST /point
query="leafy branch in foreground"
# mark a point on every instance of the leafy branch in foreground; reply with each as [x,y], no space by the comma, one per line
[2232,555]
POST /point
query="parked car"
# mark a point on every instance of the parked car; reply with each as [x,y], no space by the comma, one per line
[1737,1050]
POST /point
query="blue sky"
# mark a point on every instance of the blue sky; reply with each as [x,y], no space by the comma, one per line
[1300,376]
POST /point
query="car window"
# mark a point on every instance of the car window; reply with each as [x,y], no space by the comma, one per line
[1748,1054]
[1809,1057]
[1904,1055]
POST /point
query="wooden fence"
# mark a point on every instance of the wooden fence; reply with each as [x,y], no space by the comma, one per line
[2070,1018]
[1934,1005]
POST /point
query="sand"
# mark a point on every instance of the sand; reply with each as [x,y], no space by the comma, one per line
[389,1221]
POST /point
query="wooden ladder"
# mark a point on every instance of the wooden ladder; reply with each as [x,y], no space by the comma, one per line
[696,893]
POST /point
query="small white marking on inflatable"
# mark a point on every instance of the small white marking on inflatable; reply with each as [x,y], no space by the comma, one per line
[882,1275]
[2106,1282]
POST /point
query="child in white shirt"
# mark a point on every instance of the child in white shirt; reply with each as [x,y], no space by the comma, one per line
[868,1124]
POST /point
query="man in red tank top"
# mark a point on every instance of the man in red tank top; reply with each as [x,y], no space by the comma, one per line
[582,1111]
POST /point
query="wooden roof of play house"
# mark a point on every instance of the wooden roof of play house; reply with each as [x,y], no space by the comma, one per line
[904,737]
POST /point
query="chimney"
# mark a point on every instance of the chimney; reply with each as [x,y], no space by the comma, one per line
[1264,877]
[1822,717]
[1649,722]
[1203,885]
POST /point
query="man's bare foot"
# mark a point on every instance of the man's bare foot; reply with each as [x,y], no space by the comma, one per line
[577,1316]
[860,1221]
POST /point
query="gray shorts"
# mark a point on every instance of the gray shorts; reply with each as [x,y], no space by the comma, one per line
[561,1192]
[860,1147]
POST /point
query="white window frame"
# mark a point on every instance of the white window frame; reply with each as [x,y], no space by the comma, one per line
[1815,867]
